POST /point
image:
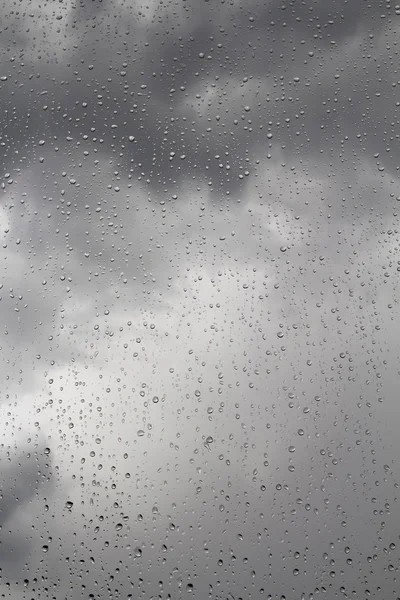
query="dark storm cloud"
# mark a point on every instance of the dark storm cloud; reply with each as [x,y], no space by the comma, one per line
[24,475]
[140,99]
[326,22]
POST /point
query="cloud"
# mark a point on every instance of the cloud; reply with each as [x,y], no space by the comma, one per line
[25,476]
[199,204]
[146,98]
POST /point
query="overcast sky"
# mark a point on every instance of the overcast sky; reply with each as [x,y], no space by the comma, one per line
[199,299]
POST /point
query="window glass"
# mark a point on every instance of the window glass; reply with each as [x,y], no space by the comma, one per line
[199,314]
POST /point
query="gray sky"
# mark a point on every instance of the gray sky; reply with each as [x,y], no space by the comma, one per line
[199,205]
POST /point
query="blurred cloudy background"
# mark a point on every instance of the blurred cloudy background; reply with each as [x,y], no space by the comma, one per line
[199,299]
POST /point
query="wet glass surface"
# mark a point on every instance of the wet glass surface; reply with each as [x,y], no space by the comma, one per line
[199,314]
